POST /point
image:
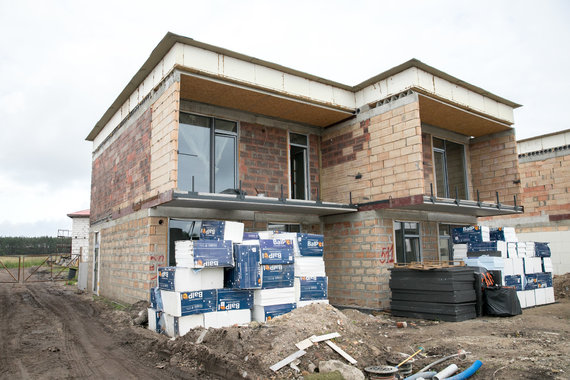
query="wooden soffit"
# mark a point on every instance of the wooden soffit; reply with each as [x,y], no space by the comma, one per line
[453,118]
[259,102]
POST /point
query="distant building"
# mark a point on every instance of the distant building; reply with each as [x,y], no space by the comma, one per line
[80,234]
[544,165]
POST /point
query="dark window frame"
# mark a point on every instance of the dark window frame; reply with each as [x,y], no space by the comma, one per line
[400,242]
[306,168]
[447,192]
[213,133]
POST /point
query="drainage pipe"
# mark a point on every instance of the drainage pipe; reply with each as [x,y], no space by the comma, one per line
[447,372]
[462,355]
[468,372]
[425,375]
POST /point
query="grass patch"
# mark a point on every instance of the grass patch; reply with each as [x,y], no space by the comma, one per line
[110,303]
[12,262]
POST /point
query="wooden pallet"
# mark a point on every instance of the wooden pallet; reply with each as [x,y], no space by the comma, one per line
[427,265]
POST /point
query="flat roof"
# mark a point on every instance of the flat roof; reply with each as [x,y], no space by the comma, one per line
[170,39]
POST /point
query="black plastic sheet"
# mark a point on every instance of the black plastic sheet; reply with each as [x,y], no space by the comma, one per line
[502,302]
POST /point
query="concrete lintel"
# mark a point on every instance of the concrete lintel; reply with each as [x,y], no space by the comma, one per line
[286,218]
[200,213]
[493,136]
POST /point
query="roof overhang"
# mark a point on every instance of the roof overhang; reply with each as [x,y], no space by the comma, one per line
[258,101]
[443,205]
[251,203]
[457,119]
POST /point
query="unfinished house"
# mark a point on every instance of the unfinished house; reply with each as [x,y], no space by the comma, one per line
[383,169]
[544,163]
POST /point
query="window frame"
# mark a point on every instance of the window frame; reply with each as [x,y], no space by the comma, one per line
[213,133]
[402,241]
[306,166]
[443,151]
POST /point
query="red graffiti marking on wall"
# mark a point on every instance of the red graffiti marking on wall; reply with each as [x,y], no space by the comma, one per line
[387,255]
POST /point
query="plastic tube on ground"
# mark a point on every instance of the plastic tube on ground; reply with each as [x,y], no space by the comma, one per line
[468,372]
[448,371]
[422,375]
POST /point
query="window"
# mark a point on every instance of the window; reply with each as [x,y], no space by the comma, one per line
[298,147]
[283,227]
[407,242]
[449,164]
[207,151]
[181,229]
[446,242]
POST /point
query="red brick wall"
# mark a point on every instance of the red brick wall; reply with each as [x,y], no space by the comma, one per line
[494,167]
[358,254]
[545,186]
[343,147]
[121,173]
[263,160]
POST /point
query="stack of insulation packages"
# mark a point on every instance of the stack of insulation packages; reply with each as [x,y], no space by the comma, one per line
[526,266]
[229,277]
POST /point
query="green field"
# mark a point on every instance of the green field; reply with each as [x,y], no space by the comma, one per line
[29,261]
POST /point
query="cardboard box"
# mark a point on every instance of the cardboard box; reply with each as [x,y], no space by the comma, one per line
[186,279]
[222,230]
[179,304]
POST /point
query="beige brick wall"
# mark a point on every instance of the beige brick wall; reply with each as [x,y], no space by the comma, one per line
[164,140]
[131,250]
[390,158]
[429,239]
[495,167]
[358,255]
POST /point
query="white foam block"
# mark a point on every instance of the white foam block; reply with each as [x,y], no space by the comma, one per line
[219,319]
[309,266]
[540,296]
[508,267]
[188,279]
[234,231]
[532,265]
[180,326]
[549,292]
[306,303]
[266,297]
[529,298]
[518,266]
[152,319]
[547,264]
[522,299]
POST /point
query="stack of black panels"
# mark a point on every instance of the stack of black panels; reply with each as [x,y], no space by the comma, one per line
[446,294]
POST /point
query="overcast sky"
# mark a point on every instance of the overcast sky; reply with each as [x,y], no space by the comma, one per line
[62,63]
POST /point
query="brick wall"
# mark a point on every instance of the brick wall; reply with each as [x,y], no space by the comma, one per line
[314,166]
[386,150]
[131,250]
[545,186]
[429,241]
[495,166]
[164,140]
[358,254]
[121,173]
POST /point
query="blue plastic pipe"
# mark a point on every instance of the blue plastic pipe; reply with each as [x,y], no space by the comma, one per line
[425,375]
[468,372]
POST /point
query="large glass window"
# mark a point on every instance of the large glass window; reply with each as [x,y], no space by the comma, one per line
[207,150]
[407,236]
[449,164]
[298,166]
[181,229]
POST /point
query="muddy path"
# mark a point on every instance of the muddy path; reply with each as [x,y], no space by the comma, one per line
[49,332]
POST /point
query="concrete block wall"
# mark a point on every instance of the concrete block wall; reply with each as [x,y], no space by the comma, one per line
[428,164]
[358,255]
[495,167]
[429,241]
[131,250]
[386,149]
[121,172]
[164,140]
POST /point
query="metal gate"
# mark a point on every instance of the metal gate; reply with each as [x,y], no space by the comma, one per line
[38,268]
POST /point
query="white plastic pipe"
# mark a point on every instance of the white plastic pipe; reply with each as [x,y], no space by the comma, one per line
[448,371]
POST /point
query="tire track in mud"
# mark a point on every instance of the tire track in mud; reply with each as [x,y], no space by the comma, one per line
[8,364]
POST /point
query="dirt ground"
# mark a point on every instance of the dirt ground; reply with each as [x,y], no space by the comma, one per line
[51,331]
